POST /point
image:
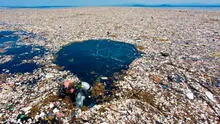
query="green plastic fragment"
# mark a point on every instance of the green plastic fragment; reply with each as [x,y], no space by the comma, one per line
[79,86]
[22,116]
[9,107]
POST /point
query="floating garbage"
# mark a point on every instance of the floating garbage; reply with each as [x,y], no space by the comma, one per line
[104,78]
[210,96]
[164,86]
[189,94]
[85,86]
[22,118]
[79,99]
[10,107]
[217,83]
[26,109]
[176,78]
[164,54]
[82,93]
[49,75]
[42,114]
[55,110]
[76,90]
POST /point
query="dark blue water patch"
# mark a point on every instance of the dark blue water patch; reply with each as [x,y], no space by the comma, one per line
[8,36]
[8,42]
[21,68]
[20,53]
[14,36]
[8,39]
[92,59]
[2,33]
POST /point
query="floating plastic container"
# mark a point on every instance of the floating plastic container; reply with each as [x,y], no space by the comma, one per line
[85,86]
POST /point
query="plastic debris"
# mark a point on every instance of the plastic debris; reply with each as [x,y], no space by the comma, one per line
[26,109]
[217,84]
[42,114]
[104,78]
[10,107]
[176,78]
[56,110]
[164,54]
[51,105]
[164,86]
[155,78]
[188,38]
[85,86]
[1,114]
[62,93]
[210,96]
[189,94]
[79,86]
[22,116]
[59,114]
[49,75]
[79,99]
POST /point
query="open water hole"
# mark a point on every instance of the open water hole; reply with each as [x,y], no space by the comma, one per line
[92,60]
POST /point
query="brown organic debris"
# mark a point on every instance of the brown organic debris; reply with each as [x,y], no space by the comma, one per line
[49,99]
[155,78]
[140,48]
[140,95]
[98,90]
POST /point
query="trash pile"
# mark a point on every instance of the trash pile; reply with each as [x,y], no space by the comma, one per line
[176,80]
[76,91]
[44,94]
[82,94]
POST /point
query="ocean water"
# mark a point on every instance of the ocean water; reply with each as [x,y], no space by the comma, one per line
[7,36]
[162,6]
[35,7]
[19,53]
[181,6]
[191,8]
[93,59]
